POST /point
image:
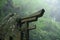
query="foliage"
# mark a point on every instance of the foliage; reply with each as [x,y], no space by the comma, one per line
[47,28]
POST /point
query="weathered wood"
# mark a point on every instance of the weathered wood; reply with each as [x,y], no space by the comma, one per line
[33,17]
[29,19]
[20,21]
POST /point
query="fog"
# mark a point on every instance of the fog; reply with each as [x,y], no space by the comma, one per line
[48,26]
[52,7]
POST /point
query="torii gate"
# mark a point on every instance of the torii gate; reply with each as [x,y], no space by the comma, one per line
[27,20]
[20,21]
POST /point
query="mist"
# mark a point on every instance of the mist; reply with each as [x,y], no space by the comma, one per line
[47,27]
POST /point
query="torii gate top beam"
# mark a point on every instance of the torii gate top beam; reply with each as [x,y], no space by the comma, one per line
[33,17]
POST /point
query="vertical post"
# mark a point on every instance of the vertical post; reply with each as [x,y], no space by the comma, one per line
[21,34]
[25,32]
[10,38]
[19,25]
[27,35]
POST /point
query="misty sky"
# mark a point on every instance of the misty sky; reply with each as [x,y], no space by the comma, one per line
[55,8]
[30,6]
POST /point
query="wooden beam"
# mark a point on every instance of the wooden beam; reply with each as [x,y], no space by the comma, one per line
[33,17]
